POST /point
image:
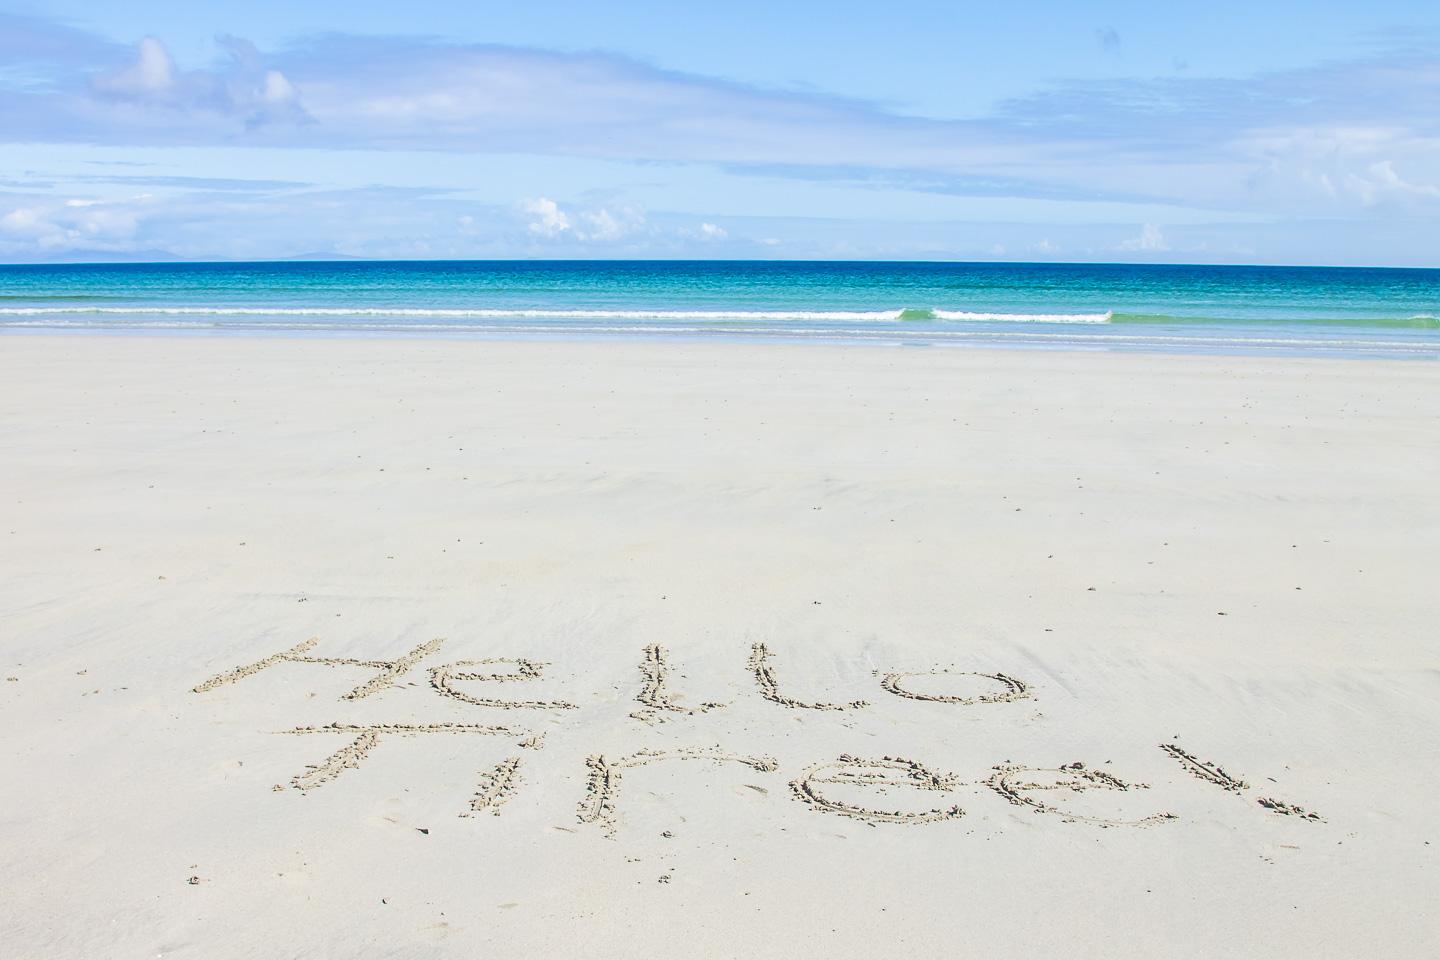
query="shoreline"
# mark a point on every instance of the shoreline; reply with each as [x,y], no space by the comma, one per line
[1022,341]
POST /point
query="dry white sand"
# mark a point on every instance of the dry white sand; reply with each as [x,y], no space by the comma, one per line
[1110,553]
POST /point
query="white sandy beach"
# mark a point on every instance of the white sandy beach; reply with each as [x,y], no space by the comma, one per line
[1232,556]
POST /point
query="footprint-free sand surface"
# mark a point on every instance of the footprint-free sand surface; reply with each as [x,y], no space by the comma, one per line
[407,648]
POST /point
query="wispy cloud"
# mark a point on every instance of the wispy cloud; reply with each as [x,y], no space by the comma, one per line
[257,185]
[1081,140]
[587,224]
[548,220]
[243,90]
[940,182]
[50,225]
[1356,139]
[1151,240]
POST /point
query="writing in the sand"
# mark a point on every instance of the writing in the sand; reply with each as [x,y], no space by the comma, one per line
[847,785]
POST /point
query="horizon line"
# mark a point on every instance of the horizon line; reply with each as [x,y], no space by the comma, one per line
[345,259]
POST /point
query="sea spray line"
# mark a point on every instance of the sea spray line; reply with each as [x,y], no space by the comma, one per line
[1025,317]
[476,314]
[883,334]
[536,314]
[18,316]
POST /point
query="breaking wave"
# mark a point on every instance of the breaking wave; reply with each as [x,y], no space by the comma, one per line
[742,316]
[79,314]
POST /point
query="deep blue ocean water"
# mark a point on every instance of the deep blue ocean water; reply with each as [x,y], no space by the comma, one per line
[1307,310]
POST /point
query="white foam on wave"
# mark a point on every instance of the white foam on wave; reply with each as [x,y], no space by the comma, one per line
[1025,317]
[460,314]
[897,334]
[359,313]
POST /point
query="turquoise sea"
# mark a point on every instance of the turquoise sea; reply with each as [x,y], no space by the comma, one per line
[1210,309]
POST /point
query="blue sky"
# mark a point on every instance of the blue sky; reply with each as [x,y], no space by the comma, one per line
[1227,132]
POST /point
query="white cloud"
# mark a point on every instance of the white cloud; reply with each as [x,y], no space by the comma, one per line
[550,220]
[21,221]
[1232,144]
[71,224]
[1151,240]
[1345,168]
[276,88]
[158,92]
[601,225]
[1380,180]
[593,225]
[152,74]
[705,232]
[1353,141]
